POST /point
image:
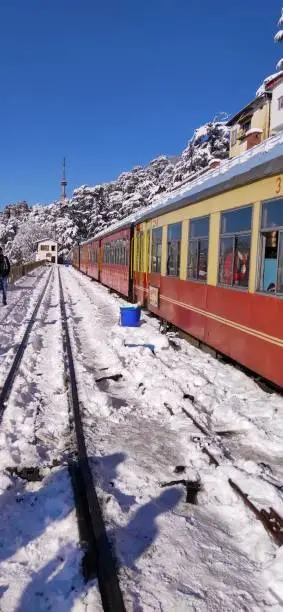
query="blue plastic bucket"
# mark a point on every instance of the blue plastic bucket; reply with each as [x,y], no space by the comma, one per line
[130,316]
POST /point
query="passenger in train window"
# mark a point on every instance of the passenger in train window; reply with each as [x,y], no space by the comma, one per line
[241,268]
[174,249]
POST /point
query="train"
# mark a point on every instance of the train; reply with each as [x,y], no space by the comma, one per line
[207,258]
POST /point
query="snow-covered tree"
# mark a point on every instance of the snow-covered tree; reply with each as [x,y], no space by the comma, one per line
[278,38]
[92,208]
[25,243]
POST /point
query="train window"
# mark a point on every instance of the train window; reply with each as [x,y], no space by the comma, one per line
[272,214]
[236,221]
[127,252]
[271,270]
[140,247]
[235,242]
[141,252]
[174,249]
[138,251]
[156,249]
[107,250]
[198,249]
[120,251]
[124,252]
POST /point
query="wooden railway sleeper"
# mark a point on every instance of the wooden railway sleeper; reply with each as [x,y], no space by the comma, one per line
[271,520]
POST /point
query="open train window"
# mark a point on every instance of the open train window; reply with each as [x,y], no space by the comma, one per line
[156,250]
[198,249]
[174,249]
[271,269]
[235,244]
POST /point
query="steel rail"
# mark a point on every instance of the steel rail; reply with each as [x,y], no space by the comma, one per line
[8,384]
[110,591]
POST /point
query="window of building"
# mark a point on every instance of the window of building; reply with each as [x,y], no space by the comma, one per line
[174,249]
[53,247]
[234,137]
[156,249]
[271,269]
[198,249]
[235,242]
[246,125]
[280,103]
[44,247]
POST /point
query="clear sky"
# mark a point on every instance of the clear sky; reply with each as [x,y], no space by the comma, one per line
[115,83]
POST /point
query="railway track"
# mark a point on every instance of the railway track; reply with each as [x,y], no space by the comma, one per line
[98,561]
[7,386]
[100,558]
[4,320]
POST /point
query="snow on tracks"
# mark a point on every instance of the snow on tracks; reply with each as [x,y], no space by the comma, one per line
[39,542]
[99,551]
[209,556]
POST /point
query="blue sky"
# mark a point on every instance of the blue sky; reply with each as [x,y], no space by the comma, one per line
[115,83]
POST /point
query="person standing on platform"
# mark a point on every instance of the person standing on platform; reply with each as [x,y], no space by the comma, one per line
[4,273]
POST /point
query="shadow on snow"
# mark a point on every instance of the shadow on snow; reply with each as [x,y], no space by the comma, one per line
[29,513]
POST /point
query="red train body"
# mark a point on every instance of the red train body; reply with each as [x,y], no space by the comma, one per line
[241,321]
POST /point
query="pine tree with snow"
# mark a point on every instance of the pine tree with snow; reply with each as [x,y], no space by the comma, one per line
[279,38]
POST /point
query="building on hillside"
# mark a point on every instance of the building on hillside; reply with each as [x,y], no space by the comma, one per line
[260,119]
[274,87]
[47,250]
[251,125]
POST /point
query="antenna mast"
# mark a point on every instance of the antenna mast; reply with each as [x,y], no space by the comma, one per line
[64,182]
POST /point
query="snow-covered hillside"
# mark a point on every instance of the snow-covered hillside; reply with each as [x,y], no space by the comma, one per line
[92,208]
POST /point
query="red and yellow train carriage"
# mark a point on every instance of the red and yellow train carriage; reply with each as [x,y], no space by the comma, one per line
[115,261]
[209,259]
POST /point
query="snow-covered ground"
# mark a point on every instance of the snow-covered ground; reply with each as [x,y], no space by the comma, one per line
[172,555]
[40,554]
